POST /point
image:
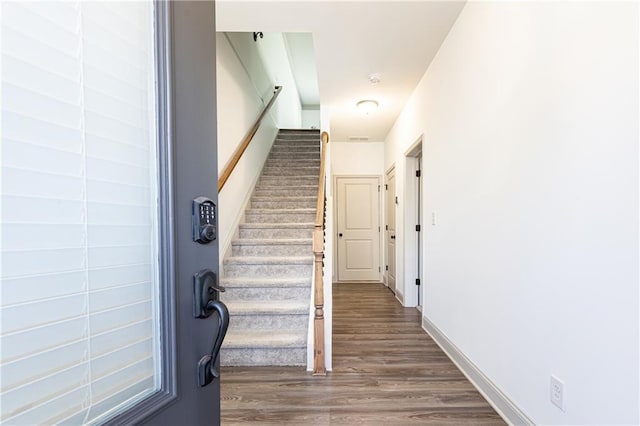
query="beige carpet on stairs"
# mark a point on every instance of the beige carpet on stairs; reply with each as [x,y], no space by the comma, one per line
[268,275]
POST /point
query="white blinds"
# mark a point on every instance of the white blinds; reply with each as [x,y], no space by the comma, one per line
[79,256]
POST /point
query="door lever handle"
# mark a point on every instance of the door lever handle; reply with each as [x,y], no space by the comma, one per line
[207,365]
[393,237]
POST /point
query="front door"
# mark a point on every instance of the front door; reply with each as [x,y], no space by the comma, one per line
[358,228]
[390,229]
[108,134]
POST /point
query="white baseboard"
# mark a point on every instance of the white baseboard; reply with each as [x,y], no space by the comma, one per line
[498,400]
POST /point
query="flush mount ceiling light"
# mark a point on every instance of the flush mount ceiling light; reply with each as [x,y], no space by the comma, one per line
[367,106]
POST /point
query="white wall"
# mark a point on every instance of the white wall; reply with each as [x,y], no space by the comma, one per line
[530,120]
[310,118]
[273,51]
[238,107]
[267,65]
[357,158]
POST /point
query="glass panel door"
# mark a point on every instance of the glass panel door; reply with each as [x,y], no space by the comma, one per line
[79,222]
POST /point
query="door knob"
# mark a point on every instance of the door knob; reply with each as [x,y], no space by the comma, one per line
[340,235]
[393,237]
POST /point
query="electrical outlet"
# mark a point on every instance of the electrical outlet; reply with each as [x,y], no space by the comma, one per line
[557,392]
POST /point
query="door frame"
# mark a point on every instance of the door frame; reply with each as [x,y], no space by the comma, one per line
[392,168]
[413,257]
[336,258]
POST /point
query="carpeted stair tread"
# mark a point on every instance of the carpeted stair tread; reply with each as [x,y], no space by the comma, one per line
[242,282]
[271,246]
[272,242]
[266,339]
[264,260]
[264,186]
[268,307]
[265,225]
[284,198]
[282,211]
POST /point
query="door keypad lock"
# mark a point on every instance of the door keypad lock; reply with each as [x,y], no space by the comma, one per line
[204,220]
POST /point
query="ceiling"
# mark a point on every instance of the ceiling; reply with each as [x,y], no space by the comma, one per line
[353,39]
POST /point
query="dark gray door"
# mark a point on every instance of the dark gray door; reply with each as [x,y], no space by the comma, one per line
[108,136]
[186,45]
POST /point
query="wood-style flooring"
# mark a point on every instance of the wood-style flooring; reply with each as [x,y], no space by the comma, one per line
[386,371]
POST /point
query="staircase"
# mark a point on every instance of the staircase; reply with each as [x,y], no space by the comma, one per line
[268,275]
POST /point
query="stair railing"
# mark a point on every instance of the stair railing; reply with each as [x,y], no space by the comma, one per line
[235,158]
[318,253]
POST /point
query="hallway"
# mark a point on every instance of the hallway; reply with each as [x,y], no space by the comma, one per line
[386,370]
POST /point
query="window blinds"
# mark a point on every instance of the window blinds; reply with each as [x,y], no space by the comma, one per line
[78,214]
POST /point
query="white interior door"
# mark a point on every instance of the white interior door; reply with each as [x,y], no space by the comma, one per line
[358,228]
[390,229]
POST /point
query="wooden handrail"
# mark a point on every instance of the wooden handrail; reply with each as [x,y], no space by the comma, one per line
[235,158]
[319,368]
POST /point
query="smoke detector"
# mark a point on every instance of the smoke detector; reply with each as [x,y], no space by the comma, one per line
[375,78]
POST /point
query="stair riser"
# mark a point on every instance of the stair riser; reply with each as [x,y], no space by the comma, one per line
[299,142]
[282,162]
[291,171]
[295,150]
[262,321]
[288,181]
[283,192]
[267,271]
[263,356]
[306,204]
[293,156]
[267,293]
[272,250]
[275,233]
[298,136]
[253,217]
[283,134]
[267,185]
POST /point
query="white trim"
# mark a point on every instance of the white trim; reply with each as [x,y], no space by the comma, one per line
[494,396]
[410,239]
[383,235]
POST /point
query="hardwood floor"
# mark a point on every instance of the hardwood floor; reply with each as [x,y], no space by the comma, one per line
[386,371]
